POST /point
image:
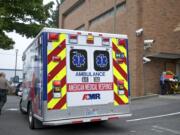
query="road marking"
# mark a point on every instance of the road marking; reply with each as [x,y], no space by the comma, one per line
[157,130]
[12,109]
[167,129]
[153,117]
[133,131]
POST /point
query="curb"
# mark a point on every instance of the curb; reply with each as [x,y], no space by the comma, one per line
[145,97]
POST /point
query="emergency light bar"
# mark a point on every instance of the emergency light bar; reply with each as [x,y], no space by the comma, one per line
[122,42]
[105,41]
[53,36]
[90,39]
[73,39]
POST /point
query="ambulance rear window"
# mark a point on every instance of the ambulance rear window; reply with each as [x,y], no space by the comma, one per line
[78,60]
[101,60]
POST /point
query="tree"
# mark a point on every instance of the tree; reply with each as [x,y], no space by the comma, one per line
[26,17]
[55,14]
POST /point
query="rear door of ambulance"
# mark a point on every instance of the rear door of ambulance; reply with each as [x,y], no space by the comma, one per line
[87,76]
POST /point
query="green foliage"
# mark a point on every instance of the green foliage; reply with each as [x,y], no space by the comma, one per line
[26,17]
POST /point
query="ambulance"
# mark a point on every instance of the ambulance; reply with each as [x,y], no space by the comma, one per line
[72,77]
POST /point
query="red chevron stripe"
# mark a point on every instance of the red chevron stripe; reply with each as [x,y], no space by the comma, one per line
[116,49]
[63,81]
[121,71]
[126,91]
[60,104]
[57,50]
[118,99]
[58,68]
[50,94]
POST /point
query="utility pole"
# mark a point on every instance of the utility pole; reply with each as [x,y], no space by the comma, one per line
[15,63]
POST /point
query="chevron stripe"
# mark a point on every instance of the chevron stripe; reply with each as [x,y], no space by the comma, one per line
[120,72]
[57,71]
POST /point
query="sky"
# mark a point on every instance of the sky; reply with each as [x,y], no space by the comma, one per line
[7,58]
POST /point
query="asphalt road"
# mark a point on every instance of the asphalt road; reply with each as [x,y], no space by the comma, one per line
[153,116]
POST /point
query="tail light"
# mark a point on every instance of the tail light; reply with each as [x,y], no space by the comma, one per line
[56,89]
[90,39]
[53,36]
[73,39]
[122,42]
[105,41]
[120,84]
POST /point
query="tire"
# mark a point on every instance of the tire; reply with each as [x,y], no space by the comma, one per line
[33,122]
[20,107]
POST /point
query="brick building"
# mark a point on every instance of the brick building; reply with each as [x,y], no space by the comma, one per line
[160,20]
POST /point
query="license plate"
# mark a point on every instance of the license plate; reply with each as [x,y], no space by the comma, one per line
[91,112]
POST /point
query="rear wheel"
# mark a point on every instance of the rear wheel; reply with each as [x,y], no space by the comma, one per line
[33,122]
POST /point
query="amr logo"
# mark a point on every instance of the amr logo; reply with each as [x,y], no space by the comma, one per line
[78,59]
[91,96]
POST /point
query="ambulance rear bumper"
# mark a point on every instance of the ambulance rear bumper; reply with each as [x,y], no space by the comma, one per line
[86,119]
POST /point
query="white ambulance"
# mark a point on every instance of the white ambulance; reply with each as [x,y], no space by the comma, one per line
[74,76]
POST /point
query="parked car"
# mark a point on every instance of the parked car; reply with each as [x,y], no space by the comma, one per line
[18,88]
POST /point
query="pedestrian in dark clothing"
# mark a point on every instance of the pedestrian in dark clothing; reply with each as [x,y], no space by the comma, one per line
[4,87]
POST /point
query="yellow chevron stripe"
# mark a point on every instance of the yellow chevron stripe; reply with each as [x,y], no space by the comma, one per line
[121,49]
[115,41]
[54,101]
[54,44]
[64,107]
[115,89]
[119,77]
[123,65]
[53,64]
[124,98]
[117,74]
[59,76]
[116,103]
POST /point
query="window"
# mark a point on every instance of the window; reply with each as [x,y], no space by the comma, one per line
[109,13]
[78,60]
[101,61]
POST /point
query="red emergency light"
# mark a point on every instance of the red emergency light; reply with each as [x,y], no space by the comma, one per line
[122,42]
[56,83]
[73,38]
[120,82]
[53,36]
[105,41]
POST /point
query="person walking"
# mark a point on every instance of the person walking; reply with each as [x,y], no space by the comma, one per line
[4,87]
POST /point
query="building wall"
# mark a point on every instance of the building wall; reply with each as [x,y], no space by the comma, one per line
[158,18]
[153,71]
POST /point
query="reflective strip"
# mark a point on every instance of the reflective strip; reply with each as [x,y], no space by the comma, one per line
[57,71]
[120,72]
